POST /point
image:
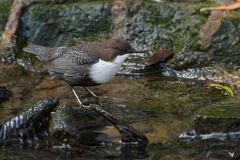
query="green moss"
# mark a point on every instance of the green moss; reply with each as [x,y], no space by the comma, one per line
[88,39]
[174,25]
[6,156]
[91,20]
[5,6]
[90,1]
[228,108]
[227,111]
[236,12]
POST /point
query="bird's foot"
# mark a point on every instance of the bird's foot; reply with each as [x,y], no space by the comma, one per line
[91,92]
[78,100]
[95,98]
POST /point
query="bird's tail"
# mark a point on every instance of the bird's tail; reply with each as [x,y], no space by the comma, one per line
[37,50]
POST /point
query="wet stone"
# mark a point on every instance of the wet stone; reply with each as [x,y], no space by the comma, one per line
[10,70]
[27,124]
[74,123]
[4,94]
[4,11]
[223,116]
[205,125]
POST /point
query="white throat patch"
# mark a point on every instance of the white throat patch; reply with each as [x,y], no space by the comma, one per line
[103,71]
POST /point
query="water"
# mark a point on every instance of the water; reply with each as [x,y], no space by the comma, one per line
[162,108]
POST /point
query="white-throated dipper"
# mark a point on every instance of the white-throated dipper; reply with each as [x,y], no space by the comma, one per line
[89,64]
[86,64]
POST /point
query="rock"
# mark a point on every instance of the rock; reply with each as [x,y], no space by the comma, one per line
[147,25]
[85,20]
[187,58]
[160,55]
[223,116]
[71,125]
[4,94]
[209,74]
[216,122]
[177,27]
[6,54]
[225,48]
[29,123]
[10,70]
[164,25]
[4,12]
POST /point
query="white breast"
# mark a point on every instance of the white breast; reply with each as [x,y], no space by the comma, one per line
[103,71]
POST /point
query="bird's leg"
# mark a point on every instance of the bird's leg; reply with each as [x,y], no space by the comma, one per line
[91,92]
[78,100]
[129,134]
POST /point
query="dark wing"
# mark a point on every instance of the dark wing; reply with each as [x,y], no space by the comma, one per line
[45,53]
[71,66]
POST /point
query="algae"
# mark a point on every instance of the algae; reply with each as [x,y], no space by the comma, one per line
[5,6]
[87,20]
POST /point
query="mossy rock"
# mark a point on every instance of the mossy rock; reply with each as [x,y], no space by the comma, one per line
[149,25]
[76,125]
[4,12]
[177,26]
[223,116]
[89,20]
[165,25]
[5,155]
[226,44]
[10,70]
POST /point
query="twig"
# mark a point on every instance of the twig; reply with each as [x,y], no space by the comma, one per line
[129,134]
[223,7]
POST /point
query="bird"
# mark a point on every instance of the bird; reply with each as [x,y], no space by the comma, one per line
[89,64]
[86,64]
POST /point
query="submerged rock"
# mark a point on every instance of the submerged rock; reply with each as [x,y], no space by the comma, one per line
[29,123]
[77,126]
[220,121]
[222,116]
[10,70]
[4,94]
[211,74]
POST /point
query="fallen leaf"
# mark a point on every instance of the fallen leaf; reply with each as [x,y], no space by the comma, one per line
[228,89]
[160,55]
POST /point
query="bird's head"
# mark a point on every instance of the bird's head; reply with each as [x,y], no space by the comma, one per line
[121,46]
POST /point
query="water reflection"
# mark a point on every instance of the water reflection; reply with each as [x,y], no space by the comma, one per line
[160,107]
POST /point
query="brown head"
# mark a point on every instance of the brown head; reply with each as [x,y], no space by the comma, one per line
[114,47]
